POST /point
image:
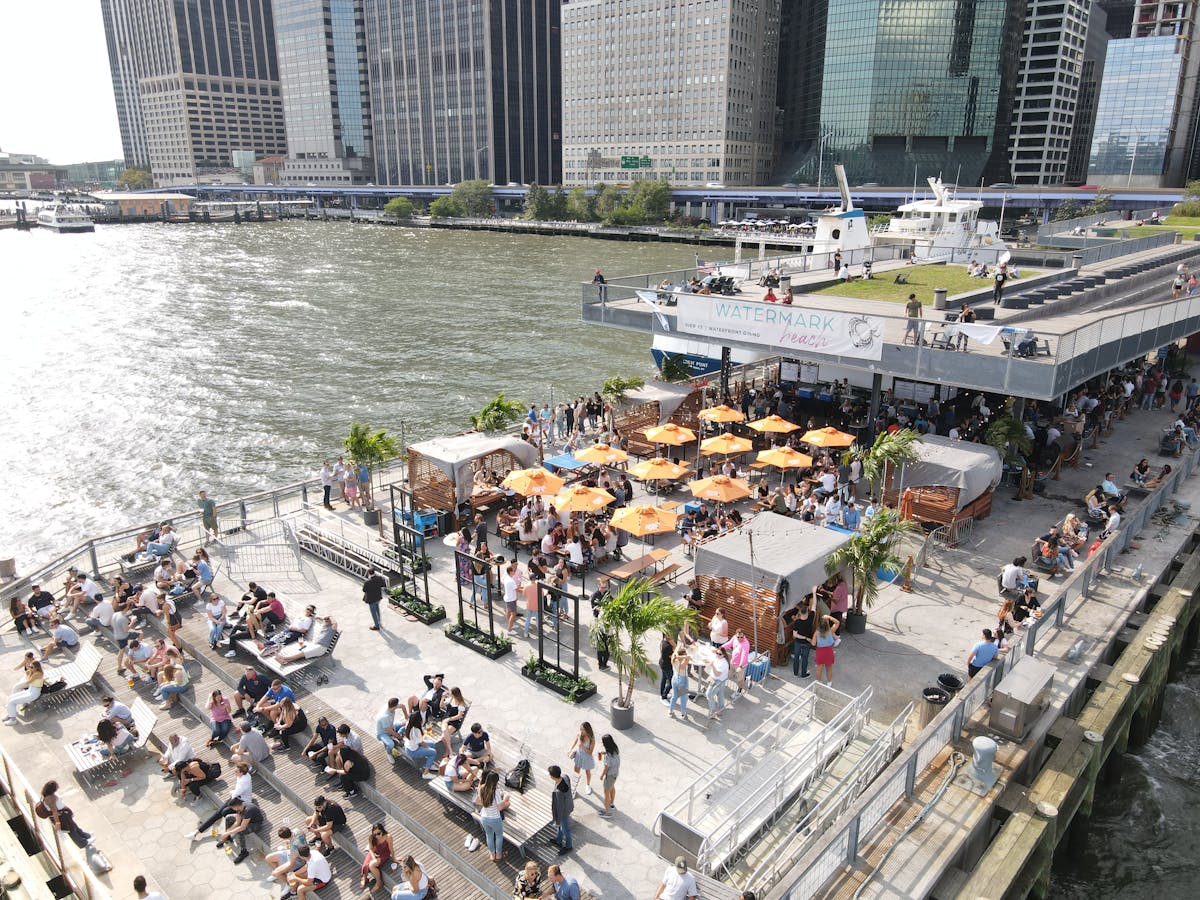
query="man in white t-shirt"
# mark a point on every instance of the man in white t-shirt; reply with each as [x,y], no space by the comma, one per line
[102,615]
[677,883]
[139,888]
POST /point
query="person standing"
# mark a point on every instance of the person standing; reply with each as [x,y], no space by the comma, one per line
[679,681]
[492,802]
[139,888]
[825,639]
[666,651]
[915,312]
[583,755]
[326,485]
[64,820]
[373,587]
[611,757]
[719,670]
[803,626]
[1000,277]
[561,807]
[208,516]
[677,883]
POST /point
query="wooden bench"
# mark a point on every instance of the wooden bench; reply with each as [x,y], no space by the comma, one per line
[80,671]
[667,574]
[88,759]
[287,670]
[527,814]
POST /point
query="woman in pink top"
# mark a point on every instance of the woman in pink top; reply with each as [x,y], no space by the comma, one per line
[839,600]
[739,657]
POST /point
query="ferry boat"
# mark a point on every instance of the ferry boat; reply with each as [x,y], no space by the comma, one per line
[63,218]
[939,226]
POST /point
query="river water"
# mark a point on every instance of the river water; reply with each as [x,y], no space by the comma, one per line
[1146,829]
[144,362]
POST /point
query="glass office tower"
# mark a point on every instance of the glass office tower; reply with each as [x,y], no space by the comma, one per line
[910,88]
[322,53]
[1135,113]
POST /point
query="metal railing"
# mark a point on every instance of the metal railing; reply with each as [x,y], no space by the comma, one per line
[1052,228]
[101,555]
[826,810]
[60,854]
[839,847]
[785,777]
[763,739]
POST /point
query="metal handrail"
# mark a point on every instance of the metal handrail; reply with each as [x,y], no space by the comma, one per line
[839,730]
[848,787]
[787,716]
[841,844]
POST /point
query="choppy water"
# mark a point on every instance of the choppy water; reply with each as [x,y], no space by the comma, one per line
[144,362]
[1146,830]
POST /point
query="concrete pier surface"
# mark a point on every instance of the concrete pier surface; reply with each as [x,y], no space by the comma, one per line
[911,638]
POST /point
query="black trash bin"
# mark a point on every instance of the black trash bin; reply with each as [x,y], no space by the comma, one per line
[950,683]
[934,698]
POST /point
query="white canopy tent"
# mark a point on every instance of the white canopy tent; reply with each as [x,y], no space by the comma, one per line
[972,468]
[455,456]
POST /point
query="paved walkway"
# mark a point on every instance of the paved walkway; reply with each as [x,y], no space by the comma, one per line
[911,638]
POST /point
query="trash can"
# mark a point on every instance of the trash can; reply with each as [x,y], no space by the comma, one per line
[785,283]
[934,699]
[939,298]
[950,683]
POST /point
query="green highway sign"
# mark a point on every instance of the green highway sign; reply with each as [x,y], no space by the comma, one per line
[630,162]
[644,162]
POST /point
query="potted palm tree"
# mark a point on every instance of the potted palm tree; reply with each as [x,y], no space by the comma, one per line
[1011,441]
[369,449]
[637,609]
[889,452]
[864,555]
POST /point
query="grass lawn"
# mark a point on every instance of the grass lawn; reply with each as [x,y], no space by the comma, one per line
[921,281]
[1187,230]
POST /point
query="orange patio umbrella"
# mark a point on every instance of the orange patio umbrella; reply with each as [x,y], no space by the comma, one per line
[644,520]
[828,437]
[721,413]
[784,458]
[773,423]
[658,469]
[602,454]
[533,482]
[675,435]
[721,488]
[582,499]
[727,444]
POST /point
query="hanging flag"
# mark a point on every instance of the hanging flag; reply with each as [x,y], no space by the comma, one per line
[651,298]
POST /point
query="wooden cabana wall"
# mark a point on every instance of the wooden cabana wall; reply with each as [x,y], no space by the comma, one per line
[740,608]
[629,423]
[432,488]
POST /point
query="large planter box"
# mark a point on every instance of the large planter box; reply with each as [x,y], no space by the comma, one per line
[420,613]
[472,639]
[576,695]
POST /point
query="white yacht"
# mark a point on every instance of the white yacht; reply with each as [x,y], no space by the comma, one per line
[64,218]
[939,226]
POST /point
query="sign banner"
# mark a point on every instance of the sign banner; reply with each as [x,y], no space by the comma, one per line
[788,328]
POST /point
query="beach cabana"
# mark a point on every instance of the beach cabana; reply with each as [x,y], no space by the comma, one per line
[441,472]
[657,403]
[948,481]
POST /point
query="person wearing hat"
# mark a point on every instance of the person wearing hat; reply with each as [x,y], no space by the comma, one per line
[678,883]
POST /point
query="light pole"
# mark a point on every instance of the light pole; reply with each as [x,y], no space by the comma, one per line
[1137,135]
[1003,203]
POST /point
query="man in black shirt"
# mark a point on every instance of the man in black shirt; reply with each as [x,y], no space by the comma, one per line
[252,687]
[246,818]
[41,602]
[372,589]
[478,744]
[326,820]
[599,596]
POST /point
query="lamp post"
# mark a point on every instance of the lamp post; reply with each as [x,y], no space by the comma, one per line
[821,142]
[1003,203]
[1133,159]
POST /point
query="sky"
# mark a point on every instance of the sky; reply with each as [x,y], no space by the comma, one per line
[56,98]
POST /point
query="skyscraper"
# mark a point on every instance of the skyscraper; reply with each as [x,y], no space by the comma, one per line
[1148,114]
[321,47]
[909,88]
[675,89]
[464,89]
[1047,90]
[196,84]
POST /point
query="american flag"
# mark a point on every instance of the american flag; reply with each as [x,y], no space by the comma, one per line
[704,267]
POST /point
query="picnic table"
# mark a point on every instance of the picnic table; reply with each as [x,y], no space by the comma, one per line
[633,567]
[564,461]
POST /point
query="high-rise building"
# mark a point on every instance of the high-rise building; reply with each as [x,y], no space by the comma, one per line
[194,81]
[1148,111]
[465,89]
[321,47]
[1095,48]
[909,88]
[675,89]
[1047,90]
